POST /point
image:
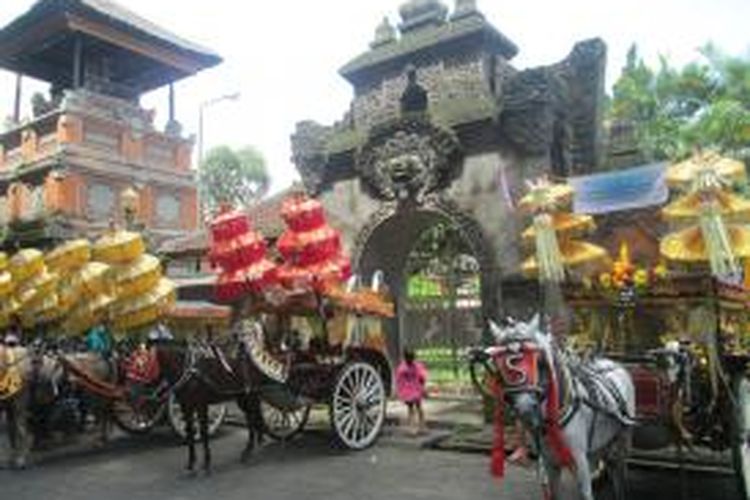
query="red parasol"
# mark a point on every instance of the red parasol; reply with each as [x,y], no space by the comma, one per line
[310,247]
[240,253]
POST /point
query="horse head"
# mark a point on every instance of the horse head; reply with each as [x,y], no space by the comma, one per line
[521,363]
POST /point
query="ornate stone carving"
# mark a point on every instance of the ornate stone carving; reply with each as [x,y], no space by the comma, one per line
[309,154]
[407,159]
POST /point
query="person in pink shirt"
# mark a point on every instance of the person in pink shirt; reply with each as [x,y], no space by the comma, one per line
[411,380]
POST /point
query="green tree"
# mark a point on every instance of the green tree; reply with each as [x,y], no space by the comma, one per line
[238,177]
[674,110]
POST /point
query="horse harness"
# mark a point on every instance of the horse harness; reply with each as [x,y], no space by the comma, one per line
[596,388]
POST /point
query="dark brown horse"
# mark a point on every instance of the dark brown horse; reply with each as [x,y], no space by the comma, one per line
[203,374]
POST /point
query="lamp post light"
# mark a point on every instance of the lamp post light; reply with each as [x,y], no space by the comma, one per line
[205,104]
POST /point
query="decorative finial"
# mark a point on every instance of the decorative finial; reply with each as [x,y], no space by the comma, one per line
[465,8]
[416,14]
[385,33]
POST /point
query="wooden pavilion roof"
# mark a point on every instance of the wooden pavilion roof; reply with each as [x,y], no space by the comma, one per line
[40,43]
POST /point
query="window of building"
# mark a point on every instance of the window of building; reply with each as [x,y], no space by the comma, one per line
[100,201]
[167,209]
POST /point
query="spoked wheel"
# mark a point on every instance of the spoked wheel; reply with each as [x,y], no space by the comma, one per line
[216,416]
[358,405]
[741,444]
[138,417]
[282,424]
[138,420]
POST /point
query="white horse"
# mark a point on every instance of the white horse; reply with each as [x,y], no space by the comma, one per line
[579,414]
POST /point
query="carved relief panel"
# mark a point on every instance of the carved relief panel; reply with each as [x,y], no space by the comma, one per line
[408,159]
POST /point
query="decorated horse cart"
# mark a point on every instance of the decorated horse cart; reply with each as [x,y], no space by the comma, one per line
[679,325]
[311,329]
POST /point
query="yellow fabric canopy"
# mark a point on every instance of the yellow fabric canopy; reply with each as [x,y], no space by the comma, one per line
[69,256]
[25,264]
[137,277]
[118,247]
[34,290]
[565,225]
[87,314]
[574,254]
[684,173]
[688,246]
[688,207]
[146,308]
[6,284]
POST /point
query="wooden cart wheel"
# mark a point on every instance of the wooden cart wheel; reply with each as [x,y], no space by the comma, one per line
[216,415]
[358,403]
[741,444]
[282,424]
[138,419]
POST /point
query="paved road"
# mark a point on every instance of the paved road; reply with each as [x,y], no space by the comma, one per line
[150,468]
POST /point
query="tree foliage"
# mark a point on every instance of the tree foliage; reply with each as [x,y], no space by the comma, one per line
[674,110]
[238,177]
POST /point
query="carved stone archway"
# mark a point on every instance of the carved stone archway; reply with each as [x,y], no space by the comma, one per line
[386,240]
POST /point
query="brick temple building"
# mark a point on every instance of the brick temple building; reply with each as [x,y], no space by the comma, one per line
[90,148]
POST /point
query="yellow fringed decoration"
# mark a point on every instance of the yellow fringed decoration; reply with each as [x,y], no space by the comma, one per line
[548,256]
[718,247]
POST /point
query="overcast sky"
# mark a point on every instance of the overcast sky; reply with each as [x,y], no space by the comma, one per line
[283,55]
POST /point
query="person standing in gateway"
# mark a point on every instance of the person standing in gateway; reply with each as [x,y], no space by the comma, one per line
[411,381]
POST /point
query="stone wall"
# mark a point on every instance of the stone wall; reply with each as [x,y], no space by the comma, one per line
[451,83]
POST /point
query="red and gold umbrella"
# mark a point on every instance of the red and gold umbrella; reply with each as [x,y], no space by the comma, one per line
[228,225]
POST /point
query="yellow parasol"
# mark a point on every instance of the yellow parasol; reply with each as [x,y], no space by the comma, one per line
[137,278]
[118,247]
[690,206]
[685,173]
[88,282]
[3,261]
[543,196]
[688,246]
[87,314]
[6,284]
[25,264]
[69,256]
[575,254]
[32,291]
[565,225]
[146,308]
[44,311]
[8,307]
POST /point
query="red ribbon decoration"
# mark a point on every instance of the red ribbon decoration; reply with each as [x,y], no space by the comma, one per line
[497,461]
[553,432]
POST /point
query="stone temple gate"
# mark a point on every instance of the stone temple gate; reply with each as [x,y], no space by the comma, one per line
[442,128]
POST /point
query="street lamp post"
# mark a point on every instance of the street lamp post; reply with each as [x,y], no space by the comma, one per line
[204,105]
